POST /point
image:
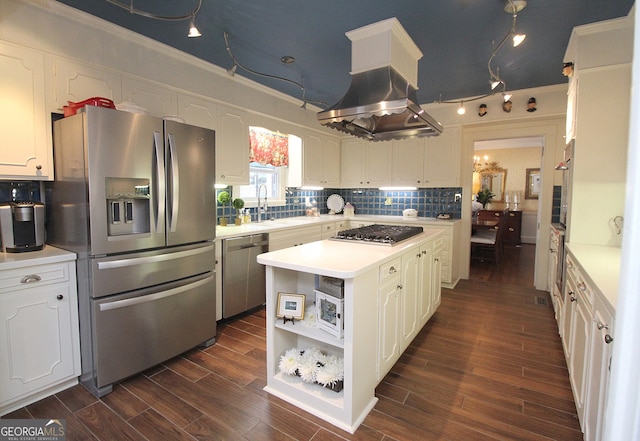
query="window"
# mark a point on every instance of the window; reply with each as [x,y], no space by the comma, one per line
[273,179]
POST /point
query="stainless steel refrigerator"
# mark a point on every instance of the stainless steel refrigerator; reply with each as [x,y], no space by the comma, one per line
[134,197]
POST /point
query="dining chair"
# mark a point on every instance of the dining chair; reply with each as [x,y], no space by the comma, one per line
[488,244]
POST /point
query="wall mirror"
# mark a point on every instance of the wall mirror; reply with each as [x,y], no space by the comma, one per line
[494,179]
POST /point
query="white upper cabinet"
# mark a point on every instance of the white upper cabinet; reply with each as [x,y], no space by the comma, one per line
[442,159]
[159,100]
[320,161]
[232,147]
[77,82]
[352,163]
[406,163]
[25,139]
[378,164]
[197,111]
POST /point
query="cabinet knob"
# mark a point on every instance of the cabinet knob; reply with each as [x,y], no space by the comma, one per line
[582,286]
[601,326]
[419,255]
[38,167]
[608,339]
[30,278]
[399,286]
[393,270]
[511,229]
[59,297]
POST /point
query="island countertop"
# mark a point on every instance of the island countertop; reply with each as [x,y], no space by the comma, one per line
[341,259]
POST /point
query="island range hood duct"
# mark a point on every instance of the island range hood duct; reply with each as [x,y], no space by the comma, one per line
[381,104]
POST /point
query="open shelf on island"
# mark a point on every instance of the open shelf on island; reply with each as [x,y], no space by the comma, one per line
[311,332]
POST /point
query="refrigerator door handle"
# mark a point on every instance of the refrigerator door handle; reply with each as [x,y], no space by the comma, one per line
[159,195]
[153,297]
[174,197]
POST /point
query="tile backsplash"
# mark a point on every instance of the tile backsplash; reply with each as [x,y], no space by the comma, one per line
[19,191]
[429,202]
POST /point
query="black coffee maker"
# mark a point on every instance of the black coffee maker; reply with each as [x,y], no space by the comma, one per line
[22,226]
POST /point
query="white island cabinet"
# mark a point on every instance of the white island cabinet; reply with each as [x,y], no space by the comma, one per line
[367,330]
[40,349]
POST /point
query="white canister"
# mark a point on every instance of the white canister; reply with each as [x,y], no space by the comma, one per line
[349,210]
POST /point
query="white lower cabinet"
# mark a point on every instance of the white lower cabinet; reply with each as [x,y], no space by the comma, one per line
[40,352]
[587,340]
[388,312]
[292,237]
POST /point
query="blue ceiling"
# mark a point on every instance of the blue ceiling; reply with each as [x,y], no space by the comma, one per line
[456,37]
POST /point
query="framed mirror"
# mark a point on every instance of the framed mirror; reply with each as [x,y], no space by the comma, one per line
[494,179]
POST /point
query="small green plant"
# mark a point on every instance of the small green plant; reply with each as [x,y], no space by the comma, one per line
[224,198]
[238,204]
[484,197]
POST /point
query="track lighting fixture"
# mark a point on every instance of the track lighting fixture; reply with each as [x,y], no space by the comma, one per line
[285,60]
[512,7]
[193,30]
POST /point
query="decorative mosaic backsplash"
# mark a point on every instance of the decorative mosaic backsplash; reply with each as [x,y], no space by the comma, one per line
[429,202]
[19,191]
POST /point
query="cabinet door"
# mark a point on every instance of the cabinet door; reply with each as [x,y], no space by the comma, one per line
[232,147]
[76,82]
[352,164]
[388,334]
[570,297]
[331,163]
[599,372]
[25,140]
[411,264]
[425,297]
[158,100]
[312,160]
[407,162]
[378,164]
[578,362]
[197,111]
[436,275]
[37,339]
[442,159]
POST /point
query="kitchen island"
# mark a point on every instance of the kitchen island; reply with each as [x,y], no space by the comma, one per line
[390,292]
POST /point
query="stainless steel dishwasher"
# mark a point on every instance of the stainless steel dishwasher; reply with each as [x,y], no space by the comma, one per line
[243,278]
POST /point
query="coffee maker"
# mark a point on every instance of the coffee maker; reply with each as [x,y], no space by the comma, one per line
[22,226]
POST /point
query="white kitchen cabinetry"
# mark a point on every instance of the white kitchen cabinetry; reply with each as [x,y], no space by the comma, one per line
[158,99]
[389,294]
[232,147]
[295,270]
[77,82]
[320,161]
[330,229]
[197,111]
[39,327]
[25,130]
[407,162]
[442,159]
[411,287]
[436,275]
[365,164]
[599,370]
[292,237]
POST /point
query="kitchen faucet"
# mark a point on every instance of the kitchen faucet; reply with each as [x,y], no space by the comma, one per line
[265,201]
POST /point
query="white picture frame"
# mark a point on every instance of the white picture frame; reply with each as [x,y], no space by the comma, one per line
[290,306]
[330,313]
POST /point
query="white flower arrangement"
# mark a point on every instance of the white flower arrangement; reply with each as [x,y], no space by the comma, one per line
[312,366]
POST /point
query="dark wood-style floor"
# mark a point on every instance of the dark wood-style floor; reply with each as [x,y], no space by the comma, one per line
[488,366]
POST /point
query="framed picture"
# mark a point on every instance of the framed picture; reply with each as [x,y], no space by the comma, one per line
[330,310]
[290,305]
[532,190]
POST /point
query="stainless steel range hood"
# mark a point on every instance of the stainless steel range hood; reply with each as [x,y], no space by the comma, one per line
[380,105]
[381,102]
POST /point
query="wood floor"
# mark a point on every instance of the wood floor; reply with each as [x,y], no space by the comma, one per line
[488,366]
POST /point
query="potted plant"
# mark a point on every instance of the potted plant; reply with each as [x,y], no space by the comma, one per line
[238,204]
[223,199]
[484,197]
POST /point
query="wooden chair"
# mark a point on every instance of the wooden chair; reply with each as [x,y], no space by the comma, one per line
[488,244]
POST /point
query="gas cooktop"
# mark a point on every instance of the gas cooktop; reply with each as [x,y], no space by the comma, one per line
[378,234]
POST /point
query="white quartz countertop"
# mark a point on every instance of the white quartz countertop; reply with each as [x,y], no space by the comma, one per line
[267,226]
[601,265]
[340,259]
[47,255]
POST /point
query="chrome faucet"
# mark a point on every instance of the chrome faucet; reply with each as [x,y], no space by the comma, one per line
[260,208]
